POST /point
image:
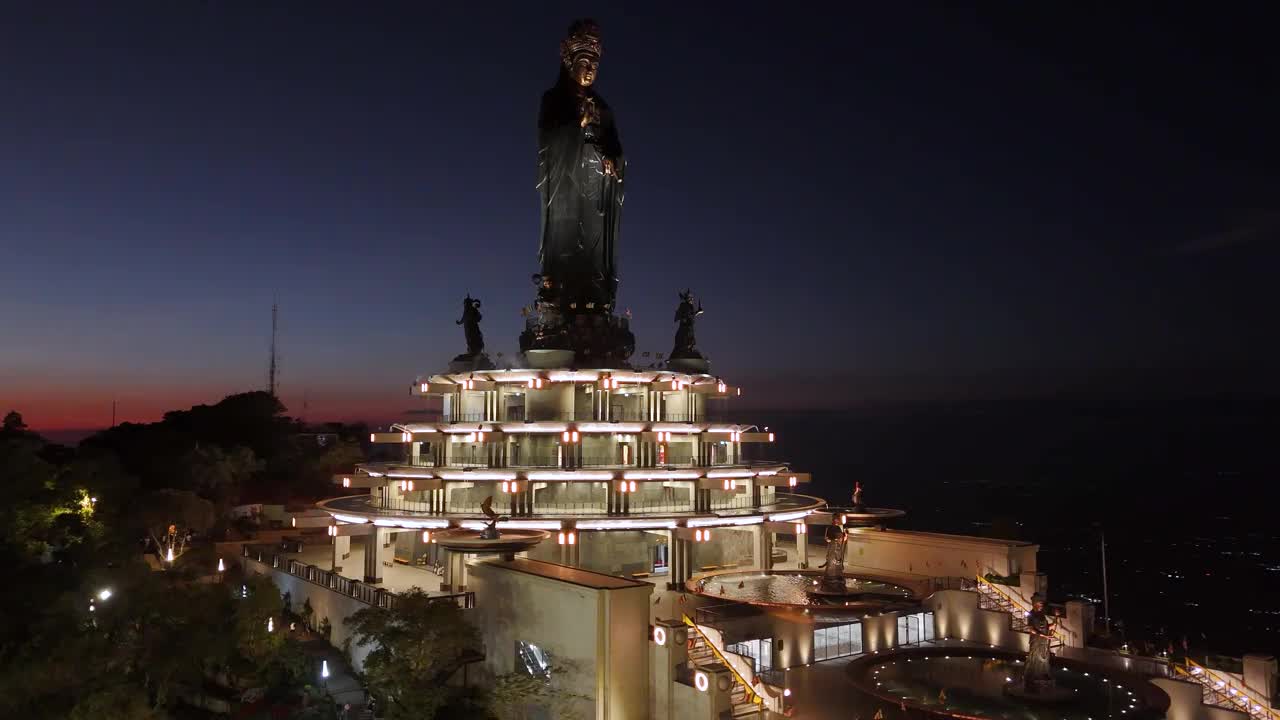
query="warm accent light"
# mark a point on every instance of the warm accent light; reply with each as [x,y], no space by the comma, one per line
[293,522]
[426,536]
[720,387]
[346,482]
[660,635]
[324,664]
[221,566]
[791,481]
[770,437]
[730,484]
[332,530]
[802,529]
[424,387]
[701,681]
[271,625]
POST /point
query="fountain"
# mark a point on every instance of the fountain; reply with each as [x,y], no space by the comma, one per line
[987,685]
[829,588]
[491,539]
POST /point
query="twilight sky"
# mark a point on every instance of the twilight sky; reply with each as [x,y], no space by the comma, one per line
[922,202]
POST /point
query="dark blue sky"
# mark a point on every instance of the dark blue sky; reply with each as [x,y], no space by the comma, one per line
[913,199]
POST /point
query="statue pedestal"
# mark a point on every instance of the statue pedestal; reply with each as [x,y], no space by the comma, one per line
[548,359]
[470,363]
[693,366]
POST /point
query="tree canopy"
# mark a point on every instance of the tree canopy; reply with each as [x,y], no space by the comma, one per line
[420,645]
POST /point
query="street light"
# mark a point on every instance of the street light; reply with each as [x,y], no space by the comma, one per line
[104,594]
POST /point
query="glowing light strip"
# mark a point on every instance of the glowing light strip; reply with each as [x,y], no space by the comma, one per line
[661,475]
[677,428]
[531,524]
[572,376]
[626,524]
[611,427]
[534,427]
[715,522]
[784,517]
[349,519]
[724,428]
[730,474]
[569,475]
[414,524]
[460,475]
[416,429]
[416,476]
[768,473]
[468,428]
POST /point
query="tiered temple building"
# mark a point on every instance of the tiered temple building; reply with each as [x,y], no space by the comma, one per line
[613,528]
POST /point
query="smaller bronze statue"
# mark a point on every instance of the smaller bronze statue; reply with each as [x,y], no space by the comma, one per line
[686,344]
[1038,678]
[490,532]
[857,497]
[832,582]
[470,323]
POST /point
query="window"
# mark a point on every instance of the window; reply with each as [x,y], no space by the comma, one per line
[837,641]
[915,629]
[760,651]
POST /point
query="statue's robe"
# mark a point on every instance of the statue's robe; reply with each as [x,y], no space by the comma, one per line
[1037,675]
[581,205]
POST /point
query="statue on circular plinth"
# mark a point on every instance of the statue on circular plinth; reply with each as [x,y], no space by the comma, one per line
[490,531]
[685,347]
[1037,679]
[832,581]
[857,497]
[580,173]
[470,323]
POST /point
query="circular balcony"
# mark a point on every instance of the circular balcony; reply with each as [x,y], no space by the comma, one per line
[363,508]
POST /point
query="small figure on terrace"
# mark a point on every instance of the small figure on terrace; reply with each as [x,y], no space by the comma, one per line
[833,569]
[857,497]
[470,323]
[686,344]
[490,531]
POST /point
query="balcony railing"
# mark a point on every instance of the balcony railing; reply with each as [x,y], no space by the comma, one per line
[368,594]
[520,414]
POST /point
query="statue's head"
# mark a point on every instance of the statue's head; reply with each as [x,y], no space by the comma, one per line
[580,51]
[1037,601]
[686,297]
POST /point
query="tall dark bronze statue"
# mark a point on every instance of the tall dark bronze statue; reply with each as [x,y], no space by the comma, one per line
[1037,676]
[686,345]
[580,173]
[470,323]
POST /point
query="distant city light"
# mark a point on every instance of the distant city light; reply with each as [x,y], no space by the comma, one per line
[104,594]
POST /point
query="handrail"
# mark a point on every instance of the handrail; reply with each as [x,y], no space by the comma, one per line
[1057,629]
[1232,692]
[752,694]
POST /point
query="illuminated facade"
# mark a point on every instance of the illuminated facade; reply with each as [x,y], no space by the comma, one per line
[643,455]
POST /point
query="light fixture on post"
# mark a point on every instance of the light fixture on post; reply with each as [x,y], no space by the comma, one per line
[426,536]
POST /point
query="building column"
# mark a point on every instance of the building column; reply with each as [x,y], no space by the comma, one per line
[762,547]
[375,554]
[681,562]
[341,551]
[802,547]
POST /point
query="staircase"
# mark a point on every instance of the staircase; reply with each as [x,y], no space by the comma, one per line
[993,598]
[743,703]
[1223,691]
